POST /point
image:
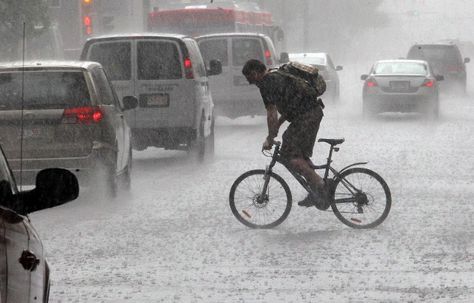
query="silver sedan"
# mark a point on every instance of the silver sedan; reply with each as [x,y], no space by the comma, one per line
[401,86]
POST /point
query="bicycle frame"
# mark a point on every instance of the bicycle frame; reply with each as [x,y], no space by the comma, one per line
[276,158]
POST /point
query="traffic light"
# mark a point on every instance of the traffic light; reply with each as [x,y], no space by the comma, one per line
[87,11]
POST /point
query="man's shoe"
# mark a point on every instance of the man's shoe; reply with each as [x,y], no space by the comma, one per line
[307,202]
[323,201]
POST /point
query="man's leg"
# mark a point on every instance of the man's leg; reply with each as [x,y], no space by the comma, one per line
[302,166]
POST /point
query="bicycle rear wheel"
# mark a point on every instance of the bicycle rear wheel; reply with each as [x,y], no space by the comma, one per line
[252,208]
[362,199]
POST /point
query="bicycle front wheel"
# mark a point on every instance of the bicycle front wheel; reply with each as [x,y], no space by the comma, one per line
[362,199]
[255,208]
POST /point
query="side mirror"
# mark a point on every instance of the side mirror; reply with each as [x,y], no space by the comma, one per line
[215,67]
[467,60]
[284,57]
[54,186]
[439,78]
[338,68]
[364,77]
[129,102]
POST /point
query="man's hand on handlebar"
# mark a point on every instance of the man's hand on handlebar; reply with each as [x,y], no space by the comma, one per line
[268,144]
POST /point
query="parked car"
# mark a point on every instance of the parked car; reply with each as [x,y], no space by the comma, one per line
[169,78]
[401,86]
[445,59]
[326,68]
[24,271]
[232,94]
[64,114]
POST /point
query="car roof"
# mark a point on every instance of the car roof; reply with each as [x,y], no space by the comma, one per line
[439,43]
[320,55]
[232,35]
[48,64]
[137,36]
[401,61]
[309,55]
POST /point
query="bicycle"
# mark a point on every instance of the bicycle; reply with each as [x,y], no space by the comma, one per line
[356,193]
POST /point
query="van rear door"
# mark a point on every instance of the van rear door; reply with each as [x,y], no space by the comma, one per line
[243,49]
[165,93]
[116,58]
[217,49]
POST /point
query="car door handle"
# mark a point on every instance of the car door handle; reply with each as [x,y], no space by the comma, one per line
[28,260]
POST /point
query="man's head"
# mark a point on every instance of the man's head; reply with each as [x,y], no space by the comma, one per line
[254,70]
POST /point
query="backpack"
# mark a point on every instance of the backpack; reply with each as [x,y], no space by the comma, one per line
[308,73]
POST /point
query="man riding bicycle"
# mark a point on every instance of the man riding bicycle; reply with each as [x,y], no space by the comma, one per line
[298,103]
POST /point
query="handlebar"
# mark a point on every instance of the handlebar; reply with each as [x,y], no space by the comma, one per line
[269,153]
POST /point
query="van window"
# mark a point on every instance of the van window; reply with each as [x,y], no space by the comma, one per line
[214,49]
[157,60]
[115,57]
[245,49]
[43,90]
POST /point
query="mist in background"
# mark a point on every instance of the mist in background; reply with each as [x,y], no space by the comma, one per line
[360,31]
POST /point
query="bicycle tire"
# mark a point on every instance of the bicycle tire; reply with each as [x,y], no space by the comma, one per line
[358,211]
[248,209]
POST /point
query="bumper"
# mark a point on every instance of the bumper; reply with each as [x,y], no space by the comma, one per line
[169,138]
[400,103]
[239,107]
[84,167]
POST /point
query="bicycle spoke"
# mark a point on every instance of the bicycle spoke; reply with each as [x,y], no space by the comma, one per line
[260,208]
[361,199]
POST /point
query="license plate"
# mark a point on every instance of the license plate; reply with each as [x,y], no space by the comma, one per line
[400,85]
[155,100]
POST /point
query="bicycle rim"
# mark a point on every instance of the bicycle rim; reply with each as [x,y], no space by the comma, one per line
[368,195]
[257,211]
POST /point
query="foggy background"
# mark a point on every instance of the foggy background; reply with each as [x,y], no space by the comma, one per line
[173,237]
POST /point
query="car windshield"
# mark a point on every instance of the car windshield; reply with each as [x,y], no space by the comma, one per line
[158,60]
[214,49]
[401,68]
[440,54]
[245,49]
[115,57]
[43,90]
[313,60]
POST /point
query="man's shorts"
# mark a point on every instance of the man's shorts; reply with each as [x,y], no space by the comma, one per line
[300,136]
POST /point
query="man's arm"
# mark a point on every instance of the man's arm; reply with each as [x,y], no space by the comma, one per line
[273,122]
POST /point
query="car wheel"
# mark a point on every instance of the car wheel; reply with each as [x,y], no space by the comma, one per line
[197,147]
[127,177]
[108,171]
[368,111]
[210,143]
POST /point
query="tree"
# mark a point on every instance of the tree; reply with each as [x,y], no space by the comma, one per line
[13,13]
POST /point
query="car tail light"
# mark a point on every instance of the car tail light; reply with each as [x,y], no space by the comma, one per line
[188,68]
[428,83]
[371,83]
[85,115]
[268,57]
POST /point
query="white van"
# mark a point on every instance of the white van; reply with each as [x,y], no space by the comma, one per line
[232,93]
[168,76]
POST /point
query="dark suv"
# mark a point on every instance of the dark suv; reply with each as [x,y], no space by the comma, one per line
[64,114]
[446,60]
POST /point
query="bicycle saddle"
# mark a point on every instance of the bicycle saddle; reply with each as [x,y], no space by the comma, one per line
[332,141]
